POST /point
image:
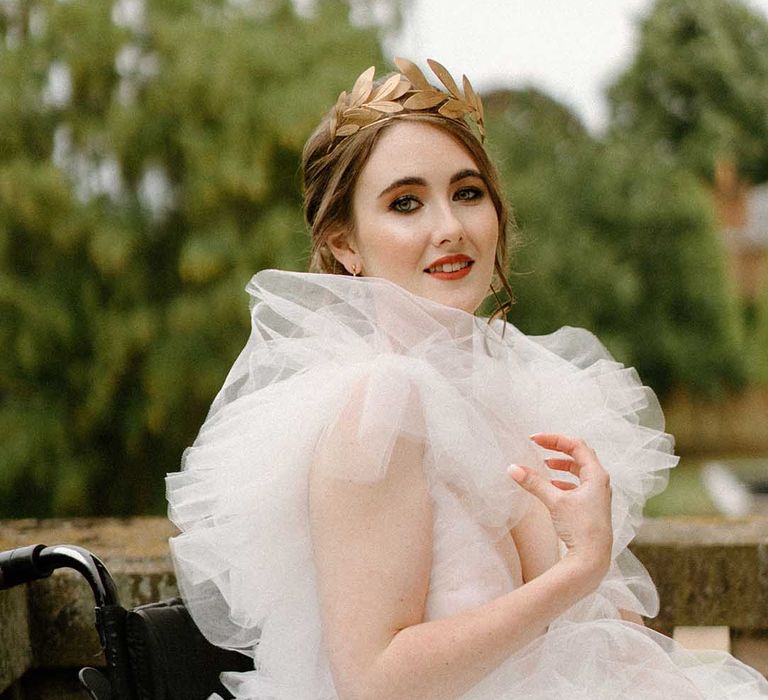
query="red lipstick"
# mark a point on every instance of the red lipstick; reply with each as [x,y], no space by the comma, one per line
[464,260]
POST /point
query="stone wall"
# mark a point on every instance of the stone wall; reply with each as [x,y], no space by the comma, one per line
[709,572]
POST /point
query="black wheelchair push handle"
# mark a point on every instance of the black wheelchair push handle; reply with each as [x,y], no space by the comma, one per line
[20,565]
[154,651]
[25,564]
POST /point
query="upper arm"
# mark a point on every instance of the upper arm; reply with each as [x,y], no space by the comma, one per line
[372,544]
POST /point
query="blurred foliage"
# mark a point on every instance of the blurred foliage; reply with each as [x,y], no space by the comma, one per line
[697,89]
[616,240]
[758,340]
[149,158]
[697,94]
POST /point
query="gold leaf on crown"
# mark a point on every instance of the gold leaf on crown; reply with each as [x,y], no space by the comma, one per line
[407,91]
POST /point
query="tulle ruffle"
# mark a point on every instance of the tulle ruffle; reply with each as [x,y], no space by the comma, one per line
[608,659]
[325,349]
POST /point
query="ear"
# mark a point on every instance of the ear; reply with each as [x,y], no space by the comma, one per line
[341,243]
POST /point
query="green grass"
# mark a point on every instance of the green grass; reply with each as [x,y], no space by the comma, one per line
[685,494]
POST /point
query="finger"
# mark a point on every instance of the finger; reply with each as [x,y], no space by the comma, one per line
[529,480]
[563,485]
[575,447]
[563,465]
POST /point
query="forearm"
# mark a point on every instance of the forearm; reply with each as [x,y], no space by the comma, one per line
[442,659]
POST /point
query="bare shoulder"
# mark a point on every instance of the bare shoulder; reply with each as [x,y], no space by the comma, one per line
[397,497]
[375,480]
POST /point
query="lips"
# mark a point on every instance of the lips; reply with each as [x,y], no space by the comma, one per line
[450,267]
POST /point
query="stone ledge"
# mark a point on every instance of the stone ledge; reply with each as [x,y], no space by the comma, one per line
[708,571]
[122,543]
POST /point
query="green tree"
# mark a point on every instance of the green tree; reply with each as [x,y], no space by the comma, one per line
[758,340]
[697,88]
[695,93]
[561,272]
[148,167]
[619,241]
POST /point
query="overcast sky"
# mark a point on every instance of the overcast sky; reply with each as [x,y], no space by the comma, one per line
[570,48]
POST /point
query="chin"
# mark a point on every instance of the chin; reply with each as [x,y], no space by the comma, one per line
[465,295]
[462,302]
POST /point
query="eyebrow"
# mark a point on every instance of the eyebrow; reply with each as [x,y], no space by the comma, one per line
[420,181]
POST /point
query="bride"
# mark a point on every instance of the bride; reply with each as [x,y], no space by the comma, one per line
[393,498]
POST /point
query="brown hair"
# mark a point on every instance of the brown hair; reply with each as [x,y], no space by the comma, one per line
[330,174]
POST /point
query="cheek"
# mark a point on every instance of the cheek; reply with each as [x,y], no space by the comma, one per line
[403,253]
[400,240]
[491,228]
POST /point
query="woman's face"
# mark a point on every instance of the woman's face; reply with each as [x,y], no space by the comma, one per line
[423,217]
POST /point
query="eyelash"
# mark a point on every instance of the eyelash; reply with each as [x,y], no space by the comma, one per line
[406,198]
[474,192]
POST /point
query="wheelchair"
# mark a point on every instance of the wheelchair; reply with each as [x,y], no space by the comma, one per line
[152,652]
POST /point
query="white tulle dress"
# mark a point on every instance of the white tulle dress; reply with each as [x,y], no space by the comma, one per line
[472,394]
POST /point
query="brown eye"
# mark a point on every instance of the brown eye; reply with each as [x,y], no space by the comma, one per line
[466,194]
[405,204]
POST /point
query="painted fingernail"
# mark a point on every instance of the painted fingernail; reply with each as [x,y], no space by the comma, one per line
[516,472]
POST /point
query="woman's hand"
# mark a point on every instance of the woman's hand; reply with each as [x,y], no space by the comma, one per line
[581,513]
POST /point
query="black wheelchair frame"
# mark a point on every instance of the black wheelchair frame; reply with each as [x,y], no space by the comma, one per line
[153,652]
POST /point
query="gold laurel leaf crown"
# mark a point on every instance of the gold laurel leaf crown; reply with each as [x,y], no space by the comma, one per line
[407,92]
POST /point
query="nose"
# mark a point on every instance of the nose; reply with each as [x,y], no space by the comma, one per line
[448,228]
